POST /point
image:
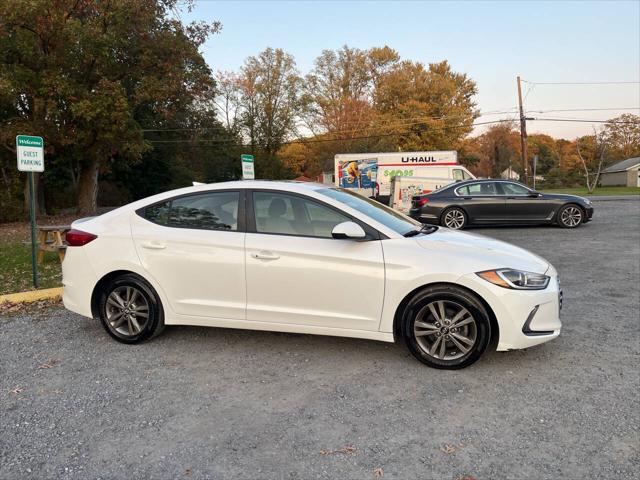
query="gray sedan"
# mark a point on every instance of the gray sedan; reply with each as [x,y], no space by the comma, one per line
[497,202]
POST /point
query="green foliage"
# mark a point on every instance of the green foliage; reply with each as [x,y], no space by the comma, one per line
[88,75]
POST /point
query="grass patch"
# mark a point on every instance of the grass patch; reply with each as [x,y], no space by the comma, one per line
[582,191]
[15,271]
[15,257]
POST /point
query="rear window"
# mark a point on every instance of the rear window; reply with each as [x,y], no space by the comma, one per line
[204,211]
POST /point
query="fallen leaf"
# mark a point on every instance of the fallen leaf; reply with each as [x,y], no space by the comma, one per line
[378,472]
[16,391]
[346,450]
[448,448]
[50,364]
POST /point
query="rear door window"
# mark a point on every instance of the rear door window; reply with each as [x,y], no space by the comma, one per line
[203,211]
[478,190]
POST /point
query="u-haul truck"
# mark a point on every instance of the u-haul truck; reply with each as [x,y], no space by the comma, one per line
[371,173]
[404,188]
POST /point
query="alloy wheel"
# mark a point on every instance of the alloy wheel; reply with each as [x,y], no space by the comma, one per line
[445,330]
[127,311]
[571,216]
[454,219]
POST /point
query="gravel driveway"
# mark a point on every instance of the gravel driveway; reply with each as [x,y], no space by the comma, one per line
[216,403]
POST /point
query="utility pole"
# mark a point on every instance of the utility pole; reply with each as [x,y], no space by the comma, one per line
[523,135]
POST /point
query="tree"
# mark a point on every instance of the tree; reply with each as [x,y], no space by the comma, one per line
[591,151]
[545,148]
[269,102]
[622,134]
[337,91]
[86,74]
[429,108]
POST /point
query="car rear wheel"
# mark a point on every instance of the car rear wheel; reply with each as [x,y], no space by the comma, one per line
[570,216]
[454,218]
[130,310]
[446,327]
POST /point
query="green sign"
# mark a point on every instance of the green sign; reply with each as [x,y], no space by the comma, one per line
[248,172]
[30,152]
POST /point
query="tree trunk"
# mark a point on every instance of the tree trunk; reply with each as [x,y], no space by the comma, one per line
[88,188]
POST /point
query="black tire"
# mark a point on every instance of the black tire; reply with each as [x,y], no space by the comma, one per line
[452,297]
[146,296]
[570,216]
[454,218]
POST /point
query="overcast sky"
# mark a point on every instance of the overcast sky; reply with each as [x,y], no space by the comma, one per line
[492,42]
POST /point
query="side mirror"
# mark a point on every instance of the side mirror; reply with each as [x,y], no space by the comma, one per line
[348,230]
[535,194]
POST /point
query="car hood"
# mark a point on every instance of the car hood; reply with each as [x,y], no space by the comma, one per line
[480,252]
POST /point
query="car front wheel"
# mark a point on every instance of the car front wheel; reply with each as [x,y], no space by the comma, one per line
[130,310]
[570,216]
[446,327]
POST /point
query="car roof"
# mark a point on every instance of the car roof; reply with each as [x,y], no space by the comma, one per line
[484,180]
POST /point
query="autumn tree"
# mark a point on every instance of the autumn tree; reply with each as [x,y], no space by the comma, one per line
[268,106]
[622,135]
[428,108]
[86,74]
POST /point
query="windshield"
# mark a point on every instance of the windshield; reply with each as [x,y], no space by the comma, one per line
[396,221]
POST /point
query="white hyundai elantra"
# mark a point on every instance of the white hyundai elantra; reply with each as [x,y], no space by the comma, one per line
[306,258]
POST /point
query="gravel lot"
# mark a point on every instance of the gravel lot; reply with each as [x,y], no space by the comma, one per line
[213,403]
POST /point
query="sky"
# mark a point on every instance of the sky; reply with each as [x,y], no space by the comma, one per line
[492,42]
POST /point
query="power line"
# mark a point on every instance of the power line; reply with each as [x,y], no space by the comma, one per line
[583,120]
[580,83]
[414,121]
[584,109]
[324,140]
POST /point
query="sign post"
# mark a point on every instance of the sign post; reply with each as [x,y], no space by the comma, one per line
[30,153]
[248,172]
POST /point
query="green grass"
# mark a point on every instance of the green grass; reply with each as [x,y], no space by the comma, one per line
[598,191]
[15,260]
[15,269]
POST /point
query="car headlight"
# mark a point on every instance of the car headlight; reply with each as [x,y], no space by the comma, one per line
[516,279]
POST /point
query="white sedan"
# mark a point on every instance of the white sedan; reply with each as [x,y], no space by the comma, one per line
[306,258]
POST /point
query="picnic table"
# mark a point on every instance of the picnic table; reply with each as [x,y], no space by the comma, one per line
[51,239]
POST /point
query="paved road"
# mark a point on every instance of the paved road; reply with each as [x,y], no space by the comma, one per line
[210,403]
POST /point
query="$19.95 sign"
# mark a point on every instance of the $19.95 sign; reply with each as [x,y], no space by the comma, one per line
[30,152]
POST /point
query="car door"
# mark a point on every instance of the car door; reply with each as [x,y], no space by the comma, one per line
[297,273]
[481,201]
[524,205]
[193,247]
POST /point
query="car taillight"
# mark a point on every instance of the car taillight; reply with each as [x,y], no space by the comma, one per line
[422,201]
[78,238]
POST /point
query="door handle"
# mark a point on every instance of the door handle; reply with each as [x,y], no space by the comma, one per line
[153,245]
[265,256]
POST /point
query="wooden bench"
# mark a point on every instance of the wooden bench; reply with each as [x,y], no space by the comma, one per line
[51,239]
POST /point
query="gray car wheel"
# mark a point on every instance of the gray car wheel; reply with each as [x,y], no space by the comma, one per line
[454,218]
[570,216]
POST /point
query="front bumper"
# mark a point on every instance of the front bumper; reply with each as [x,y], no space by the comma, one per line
[588,213]
[525,318]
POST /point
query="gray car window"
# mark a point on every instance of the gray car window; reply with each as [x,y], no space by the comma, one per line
[514,189]
[478,189]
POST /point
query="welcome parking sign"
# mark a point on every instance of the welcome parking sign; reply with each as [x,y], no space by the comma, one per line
[30,152]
